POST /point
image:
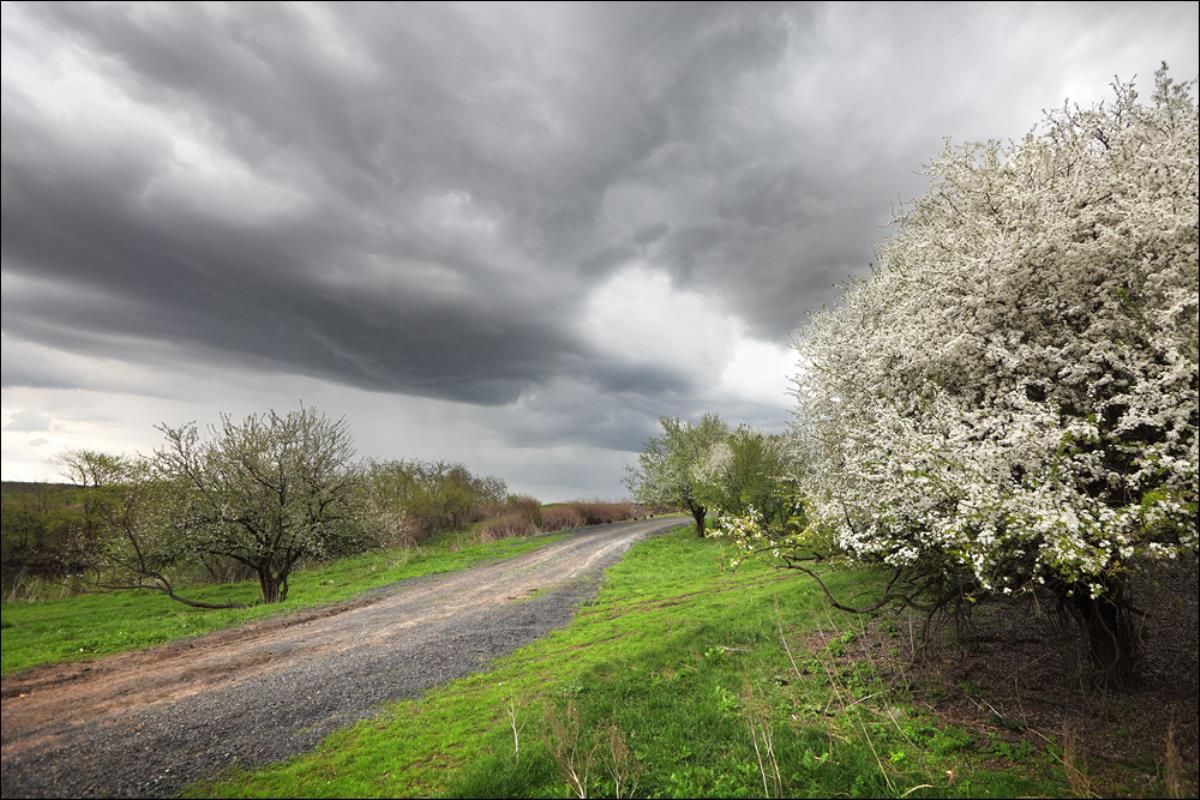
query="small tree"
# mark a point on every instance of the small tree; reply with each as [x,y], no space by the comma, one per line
[748,471]
[1009,403]
[129,537]
[666,471]
[414,499]
[266,492]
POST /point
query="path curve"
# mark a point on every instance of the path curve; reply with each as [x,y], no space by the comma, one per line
[146,723]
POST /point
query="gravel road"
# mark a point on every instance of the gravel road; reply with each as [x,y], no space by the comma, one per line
[148,722]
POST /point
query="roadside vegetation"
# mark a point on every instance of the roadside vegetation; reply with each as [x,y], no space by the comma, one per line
[688,679]
[89,625]
[253,499]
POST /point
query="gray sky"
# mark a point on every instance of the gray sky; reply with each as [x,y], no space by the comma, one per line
[510,235]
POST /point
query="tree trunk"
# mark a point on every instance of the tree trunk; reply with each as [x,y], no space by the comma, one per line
[698,514]
[1112,646]
[268,584]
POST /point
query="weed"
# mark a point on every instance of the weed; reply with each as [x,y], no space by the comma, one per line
[622,766]
[1076,776]
[569,748]
[516,729]
[1173,765]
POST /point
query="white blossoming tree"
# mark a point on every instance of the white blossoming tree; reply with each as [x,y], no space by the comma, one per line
[1008,404]
[666,470]
[267,492]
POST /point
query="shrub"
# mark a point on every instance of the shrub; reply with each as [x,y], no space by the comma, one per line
[419,499]
[524,504]
[515,523]
[1007,405]
[558,518]
[598,513]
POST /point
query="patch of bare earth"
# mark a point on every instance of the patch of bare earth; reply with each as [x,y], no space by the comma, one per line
[1020,673]
[146,723]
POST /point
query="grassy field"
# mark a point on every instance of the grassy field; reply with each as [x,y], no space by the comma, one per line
[681,679]
[85,626]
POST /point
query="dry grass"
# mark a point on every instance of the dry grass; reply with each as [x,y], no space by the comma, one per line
[623,768]
[567,746]
[515,523]
[1076,776]
[560,518]
[1176,783]
[763,739]
[596,513]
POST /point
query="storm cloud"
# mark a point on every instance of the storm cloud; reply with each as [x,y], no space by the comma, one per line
[565,220]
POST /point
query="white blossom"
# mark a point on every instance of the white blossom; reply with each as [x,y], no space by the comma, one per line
[1014,388]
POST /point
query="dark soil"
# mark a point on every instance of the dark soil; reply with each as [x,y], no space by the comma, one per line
[1020,672]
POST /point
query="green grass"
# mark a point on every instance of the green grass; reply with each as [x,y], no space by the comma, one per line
[680,657]
[85,626]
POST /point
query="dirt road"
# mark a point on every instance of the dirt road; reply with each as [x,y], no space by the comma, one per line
[146,723]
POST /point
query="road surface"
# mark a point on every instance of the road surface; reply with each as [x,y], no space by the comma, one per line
[148,722]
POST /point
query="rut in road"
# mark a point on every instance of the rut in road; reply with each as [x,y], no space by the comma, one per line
[146,723]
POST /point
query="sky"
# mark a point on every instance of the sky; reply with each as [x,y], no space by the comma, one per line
[512,236]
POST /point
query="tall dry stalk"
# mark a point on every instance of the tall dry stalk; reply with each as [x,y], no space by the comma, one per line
[570,753]
[622,766]
[516,729]
[762,737]
[1173,766]
[1076,778]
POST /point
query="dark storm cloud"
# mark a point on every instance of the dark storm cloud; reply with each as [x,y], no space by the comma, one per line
[420,198]
[371,116]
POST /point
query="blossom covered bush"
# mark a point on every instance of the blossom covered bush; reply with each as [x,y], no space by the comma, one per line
[1009,400]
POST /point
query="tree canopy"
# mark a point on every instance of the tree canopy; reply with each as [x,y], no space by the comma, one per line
[666,471]
[1008,403]
[266,492]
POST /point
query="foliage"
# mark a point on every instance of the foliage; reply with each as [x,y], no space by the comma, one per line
[666,471]
[1010,400]
[408,501]
[514,523]
[131,537]
[561,517]
[266,492]
[748,470]
[525,505]
[36,523]
[594,512]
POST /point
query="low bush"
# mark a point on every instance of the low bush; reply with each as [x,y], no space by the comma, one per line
[558,518]
[597,513]
[515,523]
[531,507]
